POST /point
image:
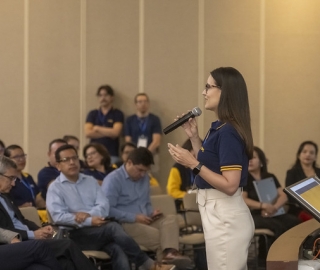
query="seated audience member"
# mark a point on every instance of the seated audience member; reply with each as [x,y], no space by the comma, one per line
[305,166]
[74,141]
[77,199]
[98,160]
[50,172]
[128,191]
[180,178]
[31,254]
[65,251]
[2,147]
[125,150]
[25,192]
[262,212]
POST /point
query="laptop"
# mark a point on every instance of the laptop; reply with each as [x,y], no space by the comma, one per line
[307,194]
[267,193]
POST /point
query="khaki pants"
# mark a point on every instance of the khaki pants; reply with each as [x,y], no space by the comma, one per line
[228,229]
[161,234]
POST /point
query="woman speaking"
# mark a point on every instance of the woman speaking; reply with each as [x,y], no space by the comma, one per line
[221,169]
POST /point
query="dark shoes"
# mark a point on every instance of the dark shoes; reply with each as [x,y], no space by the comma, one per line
[172,256]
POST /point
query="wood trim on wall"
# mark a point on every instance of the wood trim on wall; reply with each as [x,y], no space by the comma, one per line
[26,79]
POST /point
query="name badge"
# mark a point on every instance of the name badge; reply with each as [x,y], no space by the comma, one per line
[142,141]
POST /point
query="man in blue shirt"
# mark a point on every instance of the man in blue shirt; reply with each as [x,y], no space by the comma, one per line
[77,199]
[144,129]
[50,172]
[127,189]
[105,124]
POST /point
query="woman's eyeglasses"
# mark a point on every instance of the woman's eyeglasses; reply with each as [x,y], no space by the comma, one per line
[209,86]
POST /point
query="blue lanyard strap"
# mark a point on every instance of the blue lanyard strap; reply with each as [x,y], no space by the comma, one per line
[143,124]
[27,185]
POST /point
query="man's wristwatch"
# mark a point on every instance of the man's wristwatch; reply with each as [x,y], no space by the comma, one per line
[197,168]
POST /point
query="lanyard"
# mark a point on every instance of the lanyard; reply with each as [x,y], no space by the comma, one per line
[28,186]
[143,124]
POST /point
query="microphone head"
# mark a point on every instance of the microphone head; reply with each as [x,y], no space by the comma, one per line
[196,111]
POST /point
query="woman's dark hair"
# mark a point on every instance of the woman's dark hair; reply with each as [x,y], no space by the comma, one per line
[7,151]
[106,160]
[234,103]
[263,160]
[297,164]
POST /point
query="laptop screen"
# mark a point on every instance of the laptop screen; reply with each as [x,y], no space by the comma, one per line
[307,194]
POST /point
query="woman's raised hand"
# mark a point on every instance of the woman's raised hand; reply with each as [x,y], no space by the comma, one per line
[190,127]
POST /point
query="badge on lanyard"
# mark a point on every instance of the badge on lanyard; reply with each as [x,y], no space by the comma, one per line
[142,141]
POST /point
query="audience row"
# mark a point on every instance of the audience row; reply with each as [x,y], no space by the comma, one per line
[77,199]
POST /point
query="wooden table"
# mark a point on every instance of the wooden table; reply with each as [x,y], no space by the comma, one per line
[284,252]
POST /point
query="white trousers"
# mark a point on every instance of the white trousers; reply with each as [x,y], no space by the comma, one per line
[228,229]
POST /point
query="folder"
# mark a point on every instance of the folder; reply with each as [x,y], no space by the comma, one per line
[267,193]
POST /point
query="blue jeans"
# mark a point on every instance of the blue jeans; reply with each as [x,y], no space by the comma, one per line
[112,239]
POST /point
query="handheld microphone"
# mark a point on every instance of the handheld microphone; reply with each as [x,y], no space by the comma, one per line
[195,112]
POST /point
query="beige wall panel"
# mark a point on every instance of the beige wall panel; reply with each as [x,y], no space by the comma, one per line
[171,66]
[232,38]
[11,71]
[112,51]
[54,69]
[292,80]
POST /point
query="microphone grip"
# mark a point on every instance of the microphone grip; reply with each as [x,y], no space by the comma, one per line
[178,123]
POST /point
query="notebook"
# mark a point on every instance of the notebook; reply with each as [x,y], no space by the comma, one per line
[307,194]
[268,193]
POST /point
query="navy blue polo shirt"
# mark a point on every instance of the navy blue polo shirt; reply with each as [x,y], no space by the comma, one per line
[222,150]
[97,118]
[45,176]
[97,174]
[25,190]
[147,126]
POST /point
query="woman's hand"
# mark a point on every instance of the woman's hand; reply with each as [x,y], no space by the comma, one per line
[182,156]
[268,210]
[190,127]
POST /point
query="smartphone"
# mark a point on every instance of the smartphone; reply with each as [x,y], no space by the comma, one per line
[109,219]
[157,216]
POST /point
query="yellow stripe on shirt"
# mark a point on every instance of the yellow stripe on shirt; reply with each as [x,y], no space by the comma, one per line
[231,167]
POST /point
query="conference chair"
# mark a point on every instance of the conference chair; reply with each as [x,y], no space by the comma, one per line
[155,190]
[31,213]
[192,234]
[266,234]
[187,237]
[99,258]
